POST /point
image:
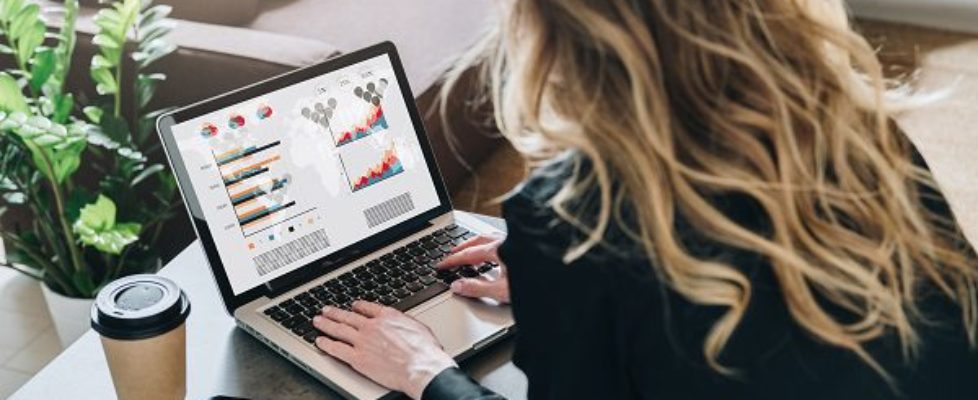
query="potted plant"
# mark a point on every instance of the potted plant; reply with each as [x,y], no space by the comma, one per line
[87,228]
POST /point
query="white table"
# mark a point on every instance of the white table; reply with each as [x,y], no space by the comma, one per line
[224,360]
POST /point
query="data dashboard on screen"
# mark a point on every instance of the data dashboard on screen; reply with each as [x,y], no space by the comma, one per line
[301,172]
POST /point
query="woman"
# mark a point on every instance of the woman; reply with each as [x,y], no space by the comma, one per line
[720,208]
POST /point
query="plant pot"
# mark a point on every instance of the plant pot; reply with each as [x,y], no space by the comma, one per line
[71,316]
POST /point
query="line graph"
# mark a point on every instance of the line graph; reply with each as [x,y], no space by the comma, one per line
[368,171]
[351,116]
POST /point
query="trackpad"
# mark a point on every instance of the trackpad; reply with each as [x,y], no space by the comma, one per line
[460,323]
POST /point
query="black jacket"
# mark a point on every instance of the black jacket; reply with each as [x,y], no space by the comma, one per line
[603,327]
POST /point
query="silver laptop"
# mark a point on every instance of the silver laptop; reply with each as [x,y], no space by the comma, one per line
[319,187]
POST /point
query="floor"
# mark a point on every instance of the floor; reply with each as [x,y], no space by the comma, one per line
[27,338]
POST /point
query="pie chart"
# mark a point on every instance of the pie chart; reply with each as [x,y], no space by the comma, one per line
[264,112]
[236,121]
[208,131]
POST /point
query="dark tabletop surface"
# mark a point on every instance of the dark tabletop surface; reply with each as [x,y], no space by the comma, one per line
[224,360]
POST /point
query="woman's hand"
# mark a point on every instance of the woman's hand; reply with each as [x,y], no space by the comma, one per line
[383,344]
[475,251]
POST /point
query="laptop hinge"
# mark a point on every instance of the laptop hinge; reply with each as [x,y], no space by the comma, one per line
[277,286]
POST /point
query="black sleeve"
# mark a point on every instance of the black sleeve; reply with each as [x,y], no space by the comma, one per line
[454,384]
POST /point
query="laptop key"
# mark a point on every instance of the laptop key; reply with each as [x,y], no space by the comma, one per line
[427,279]
[401,293]
[457,232]
[486,267]
[294,309]
[303,328]
[415,286]
[468,272]
[322,296]
[292,322]
[271,310]
[279,316]
[388,300]
[421,296]
[310,337]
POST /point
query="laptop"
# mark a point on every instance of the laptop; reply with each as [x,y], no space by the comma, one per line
[319,187]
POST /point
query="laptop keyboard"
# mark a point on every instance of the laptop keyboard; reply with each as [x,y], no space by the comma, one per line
[402,279]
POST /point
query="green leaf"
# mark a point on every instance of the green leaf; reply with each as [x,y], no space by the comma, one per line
[28,43]
[11,97]
[64,157]
[109,20]
[105,82]
[106,41]
[96,226]
[43,67]
[78,198]
[93,113]
[146,87]
[146,173]
[10,8]
[152,50]
[115,128]
[62,108]
[154,14]
[99,61]
[24,20]
[156,30]
[99,215]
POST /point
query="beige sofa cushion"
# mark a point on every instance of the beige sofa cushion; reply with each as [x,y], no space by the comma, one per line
[220,12]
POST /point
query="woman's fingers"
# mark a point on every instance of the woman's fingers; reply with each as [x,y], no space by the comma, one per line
[335,329]
[473,287]
[367,308]
[335,348]
[475,241]
[472,255]
[340,315]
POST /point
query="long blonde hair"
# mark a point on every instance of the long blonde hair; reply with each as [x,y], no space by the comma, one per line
[672,102]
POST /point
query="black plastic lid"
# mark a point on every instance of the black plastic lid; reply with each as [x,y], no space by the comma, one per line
[139,307]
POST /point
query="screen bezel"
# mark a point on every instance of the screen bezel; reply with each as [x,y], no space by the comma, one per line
[327,263]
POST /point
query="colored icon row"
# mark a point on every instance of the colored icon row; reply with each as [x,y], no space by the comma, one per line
[235,121]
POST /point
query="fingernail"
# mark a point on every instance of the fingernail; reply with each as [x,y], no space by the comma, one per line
[316,319]
[457,286]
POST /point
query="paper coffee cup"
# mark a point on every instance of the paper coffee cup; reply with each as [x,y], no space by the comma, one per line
[141,320]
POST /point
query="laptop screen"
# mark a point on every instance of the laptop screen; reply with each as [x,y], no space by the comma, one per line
[296,174]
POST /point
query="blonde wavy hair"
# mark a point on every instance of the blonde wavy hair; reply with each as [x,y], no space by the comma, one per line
[672,102]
